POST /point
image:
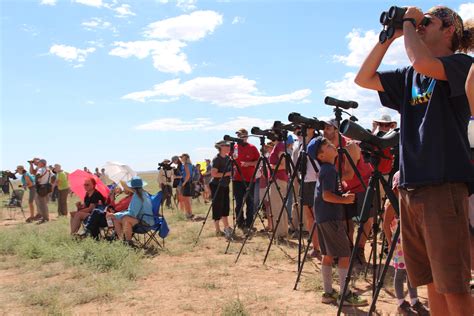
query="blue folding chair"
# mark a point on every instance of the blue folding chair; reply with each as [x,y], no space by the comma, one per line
[159,228]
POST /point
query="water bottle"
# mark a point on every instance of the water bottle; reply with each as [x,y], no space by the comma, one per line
[110,223]
[470,132]
[236,151]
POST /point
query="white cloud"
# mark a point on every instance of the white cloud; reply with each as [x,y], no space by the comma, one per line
[466,11]
[71,54]
[186,5]
[204,124]
[361,44]
[123,11]
[98,23]
[91,3]
[48,2]
[238,19]
[187,27]
[369,103]
[166,55]
[30,29]
[237,92]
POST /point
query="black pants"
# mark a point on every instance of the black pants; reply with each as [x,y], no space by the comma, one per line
[239,192]
[167,194]
[95,221]
[220,201]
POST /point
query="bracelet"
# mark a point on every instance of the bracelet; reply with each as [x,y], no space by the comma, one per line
[411,20]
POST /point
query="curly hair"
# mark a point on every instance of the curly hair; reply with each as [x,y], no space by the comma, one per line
[464,44]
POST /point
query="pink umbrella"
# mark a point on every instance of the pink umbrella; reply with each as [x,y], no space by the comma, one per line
[76,183]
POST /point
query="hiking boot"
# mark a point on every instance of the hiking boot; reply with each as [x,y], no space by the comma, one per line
[329,298]
[228,233]
[420,309]
[406,310]
[353,299]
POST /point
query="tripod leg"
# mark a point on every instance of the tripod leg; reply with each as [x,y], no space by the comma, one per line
[300,270]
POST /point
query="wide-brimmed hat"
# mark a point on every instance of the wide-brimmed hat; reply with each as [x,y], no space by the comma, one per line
[19,168]
[221,143]
[385,119]
[166,161]
[136,182]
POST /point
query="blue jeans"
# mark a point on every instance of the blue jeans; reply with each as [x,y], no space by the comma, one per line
[239,189]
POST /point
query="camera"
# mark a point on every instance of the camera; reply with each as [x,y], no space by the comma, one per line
[164,166]
[391,20]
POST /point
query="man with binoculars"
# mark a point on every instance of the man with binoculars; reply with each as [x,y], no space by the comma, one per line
[436,174]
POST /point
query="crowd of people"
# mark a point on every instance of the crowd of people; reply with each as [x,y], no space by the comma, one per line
[435,97]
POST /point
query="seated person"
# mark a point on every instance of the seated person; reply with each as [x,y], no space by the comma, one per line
[140,206]
[92,199]
[97,218]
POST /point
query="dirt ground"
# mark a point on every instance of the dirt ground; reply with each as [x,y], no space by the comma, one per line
[189,280]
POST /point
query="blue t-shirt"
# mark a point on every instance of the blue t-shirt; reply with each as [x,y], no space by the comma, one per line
[183,172]
[325,211]
[23,180]
[434,146]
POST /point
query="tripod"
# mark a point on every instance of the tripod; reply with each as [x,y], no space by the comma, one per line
[342,153]
[301,166]
[375,181]
[230,163]
[265,166]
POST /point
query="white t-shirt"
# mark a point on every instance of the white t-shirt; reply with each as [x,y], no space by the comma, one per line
[311,174]
[42,175]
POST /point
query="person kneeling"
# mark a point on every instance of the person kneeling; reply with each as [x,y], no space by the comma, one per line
[139,211]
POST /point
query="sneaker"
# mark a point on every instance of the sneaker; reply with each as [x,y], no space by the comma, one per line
[228,233]
[353,299]
[420,309]
[42,221]
[329,298]
[406,310]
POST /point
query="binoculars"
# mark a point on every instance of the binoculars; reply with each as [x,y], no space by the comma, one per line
[391,20]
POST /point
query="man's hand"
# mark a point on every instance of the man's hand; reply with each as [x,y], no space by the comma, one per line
[414,13]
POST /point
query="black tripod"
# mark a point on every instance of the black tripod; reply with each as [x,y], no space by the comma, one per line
[342,153]
[230,163]
[375,181]
[265,166]
[301,167]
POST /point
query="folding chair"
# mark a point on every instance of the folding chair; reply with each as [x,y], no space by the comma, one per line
[160,226]
[15,202]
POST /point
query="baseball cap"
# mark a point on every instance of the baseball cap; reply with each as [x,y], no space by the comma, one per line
[332,122]
[290,140]
[242,132]
[314,146]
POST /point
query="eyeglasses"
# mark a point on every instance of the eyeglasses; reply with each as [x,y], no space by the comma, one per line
[426,21]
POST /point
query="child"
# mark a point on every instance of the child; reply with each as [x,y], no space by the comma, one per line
[400,276]
[331,228]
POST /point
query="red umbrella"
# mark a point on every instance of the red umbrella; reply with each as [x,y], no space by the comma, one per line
[76,183]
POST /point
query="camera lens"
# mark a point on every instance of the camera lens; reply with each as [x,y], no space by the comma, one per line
[384,18]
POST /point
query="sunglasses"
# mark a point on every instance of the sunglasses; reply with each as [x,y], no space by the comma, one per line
[385,124]
[426,21]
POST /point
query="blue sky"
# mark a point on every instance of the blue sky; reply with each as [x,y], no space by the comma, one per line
[88,81]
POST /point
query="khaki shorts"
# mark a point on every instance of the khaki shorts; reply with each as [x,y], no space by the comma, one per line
[435,236]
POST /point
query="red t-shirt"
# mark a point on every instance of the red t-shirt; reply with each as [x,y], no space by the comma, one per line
[385,165]
[274,157]
[123,204]
[354,185]
[245,153]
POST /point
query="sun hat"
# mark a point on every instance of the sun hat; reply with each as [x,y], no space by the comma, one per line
[221,143]
[385,119]
[136,182]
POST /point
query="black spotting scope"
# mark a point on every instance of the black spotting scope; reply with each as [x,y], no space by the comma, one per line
[267,133]
[342,104]
[308,122]
[355,131]
[233,139]
[279,126]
